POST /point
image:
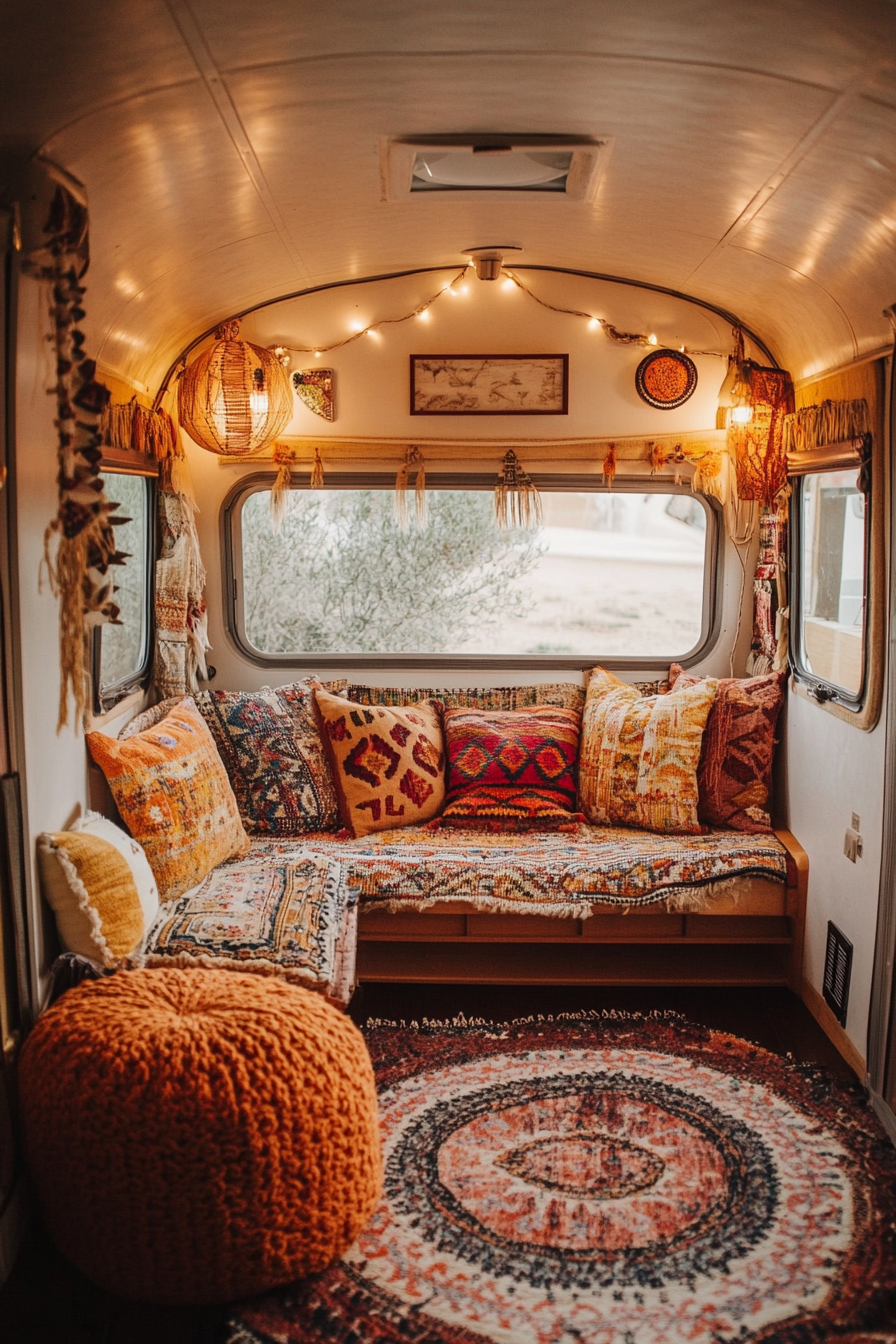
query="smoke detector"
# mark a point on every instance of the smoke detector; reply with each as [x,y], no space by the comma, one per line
[489,261]
[468,165]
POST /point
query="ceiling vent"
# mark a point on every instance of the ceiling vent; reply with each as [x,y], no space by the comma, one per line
[467,166]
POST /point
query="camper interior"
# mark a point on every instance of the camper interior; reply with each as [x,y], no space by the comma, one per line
[512,384]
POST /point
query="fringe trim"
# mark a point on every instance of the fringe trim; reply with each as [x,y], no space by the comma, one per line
[259,966]
[517,501]
[494,905]
[830,422]
[463,1023]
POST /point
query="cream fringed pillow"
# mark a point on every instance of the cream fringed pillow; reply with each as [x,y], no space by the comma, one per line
[639,755]
[388,764]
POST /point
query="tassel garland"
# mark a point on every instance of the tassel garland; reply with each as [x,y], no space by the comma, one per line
[517,501]
[413,461]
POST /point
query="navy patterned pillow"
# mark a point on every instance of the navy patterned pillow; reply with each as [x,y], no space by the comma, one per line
[272,751]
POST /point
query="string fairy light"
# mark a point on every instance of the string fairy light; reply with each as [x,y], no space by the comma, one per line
[457,287]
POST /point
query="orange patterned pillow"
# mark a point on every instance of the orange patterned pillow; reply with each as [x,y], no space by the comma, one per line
[174,796]
[639,755]
[388,764]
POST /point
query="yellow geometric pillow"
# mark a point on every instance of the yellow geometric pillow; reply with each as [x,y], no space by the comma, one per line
[90,888]
[388,764]
[174,796]
[639,755]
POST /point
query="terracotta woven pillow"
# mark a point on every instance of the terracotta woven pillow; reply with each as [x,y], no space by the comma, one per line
[511,770]
[735,772]
[639,757]
[271,747]
[388,764]
[174,797]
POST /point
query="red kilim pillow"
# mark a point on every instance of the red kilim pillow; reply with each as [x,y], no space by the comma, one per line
[511,770]
[734,777]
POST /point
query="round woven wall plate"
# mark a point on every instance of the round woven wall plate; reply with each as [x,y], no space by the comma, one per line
[666,379]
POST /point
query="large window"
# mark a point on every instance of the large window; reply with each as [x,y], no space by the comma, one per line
[121,652]
[623,574]
[832,565]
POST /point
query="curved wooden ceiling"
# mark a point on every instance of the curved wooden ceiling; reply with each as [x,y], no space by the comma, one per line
[231,152]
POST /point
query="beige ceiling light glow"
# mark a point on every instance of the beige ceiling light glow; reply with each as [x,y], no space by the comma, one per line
[567,167]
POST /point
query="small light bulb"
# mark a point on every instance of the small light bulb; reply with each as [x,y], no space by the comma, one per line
[356,325]
[593,322]
[507,283]
[651,339]
[423,316]
[741,415]
[317,354]
[371,331]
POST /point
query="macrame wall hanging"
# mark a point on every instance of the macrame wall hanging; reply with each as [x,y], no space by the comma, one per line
[413,463]
[828,422]
[757,447]
[517,501]
[80,568]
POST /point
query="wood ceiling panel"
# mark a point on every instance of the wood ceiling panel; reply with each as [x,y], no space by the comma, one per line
[825,43]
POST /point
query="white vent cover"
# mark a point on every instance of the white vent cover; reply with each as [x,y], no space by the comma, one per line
[505,164]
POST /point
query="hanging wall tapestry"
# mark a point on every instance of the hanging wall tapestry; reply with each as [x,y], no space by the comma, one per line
[316,389]
[181,616]
[758,447]
[80,568]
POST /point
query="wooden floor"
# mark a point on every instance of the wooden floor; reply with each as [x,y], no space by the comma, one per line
[46,1301]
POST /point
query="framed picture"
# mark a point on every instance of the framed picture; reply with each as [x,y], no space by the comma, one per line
[489,384]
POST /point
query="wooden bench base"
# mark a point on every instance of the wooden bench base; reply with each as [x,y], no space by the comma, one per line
[756,939]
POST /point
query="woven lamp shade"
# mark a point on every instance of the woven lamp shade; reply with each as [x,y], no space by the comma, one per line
[234,399]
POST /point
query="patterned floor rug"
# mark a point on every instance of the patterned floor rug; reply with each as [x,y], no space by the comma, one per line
[607,1180]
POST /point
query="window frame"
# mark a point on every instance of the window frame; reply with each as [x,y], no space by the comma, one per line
[231,542]
[105,698]
[818,687]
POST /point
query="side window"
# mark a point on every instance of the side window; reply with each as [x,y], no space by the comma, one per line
[627,575]
[121,653]
[831,549]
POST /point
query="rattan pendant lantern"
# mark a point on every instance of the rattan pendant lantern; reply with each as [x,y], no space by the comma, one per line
[234,399]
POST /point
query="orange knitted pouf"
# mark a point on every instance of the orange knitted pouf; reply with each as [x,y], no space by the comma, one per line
[199,1135]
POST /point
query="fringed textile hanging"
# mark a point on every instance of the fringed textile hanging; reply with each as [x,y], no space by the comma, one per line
[830,422]
[283,457]
[711,476]
[769,594]
[317,472]
[413,461]
[80,569]
[758,447]
[517,501]
[609,467]
[181,615]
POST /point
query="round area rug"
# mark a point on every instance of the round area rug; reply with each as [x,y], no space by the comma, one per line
[607,1180]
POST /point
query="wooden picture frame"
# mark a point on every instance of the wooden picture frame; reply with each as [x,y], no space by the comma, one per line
[489,384]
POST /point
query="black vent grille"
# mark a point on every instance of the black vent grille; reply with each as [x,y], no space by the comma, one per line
[837,970]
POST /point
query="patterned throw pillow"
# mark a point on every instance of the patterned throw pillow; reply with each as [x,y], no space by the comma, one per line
[388,764]
[511,770]
[563,694]
[275,760]
[174,797]
[639,757]
[735,772]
